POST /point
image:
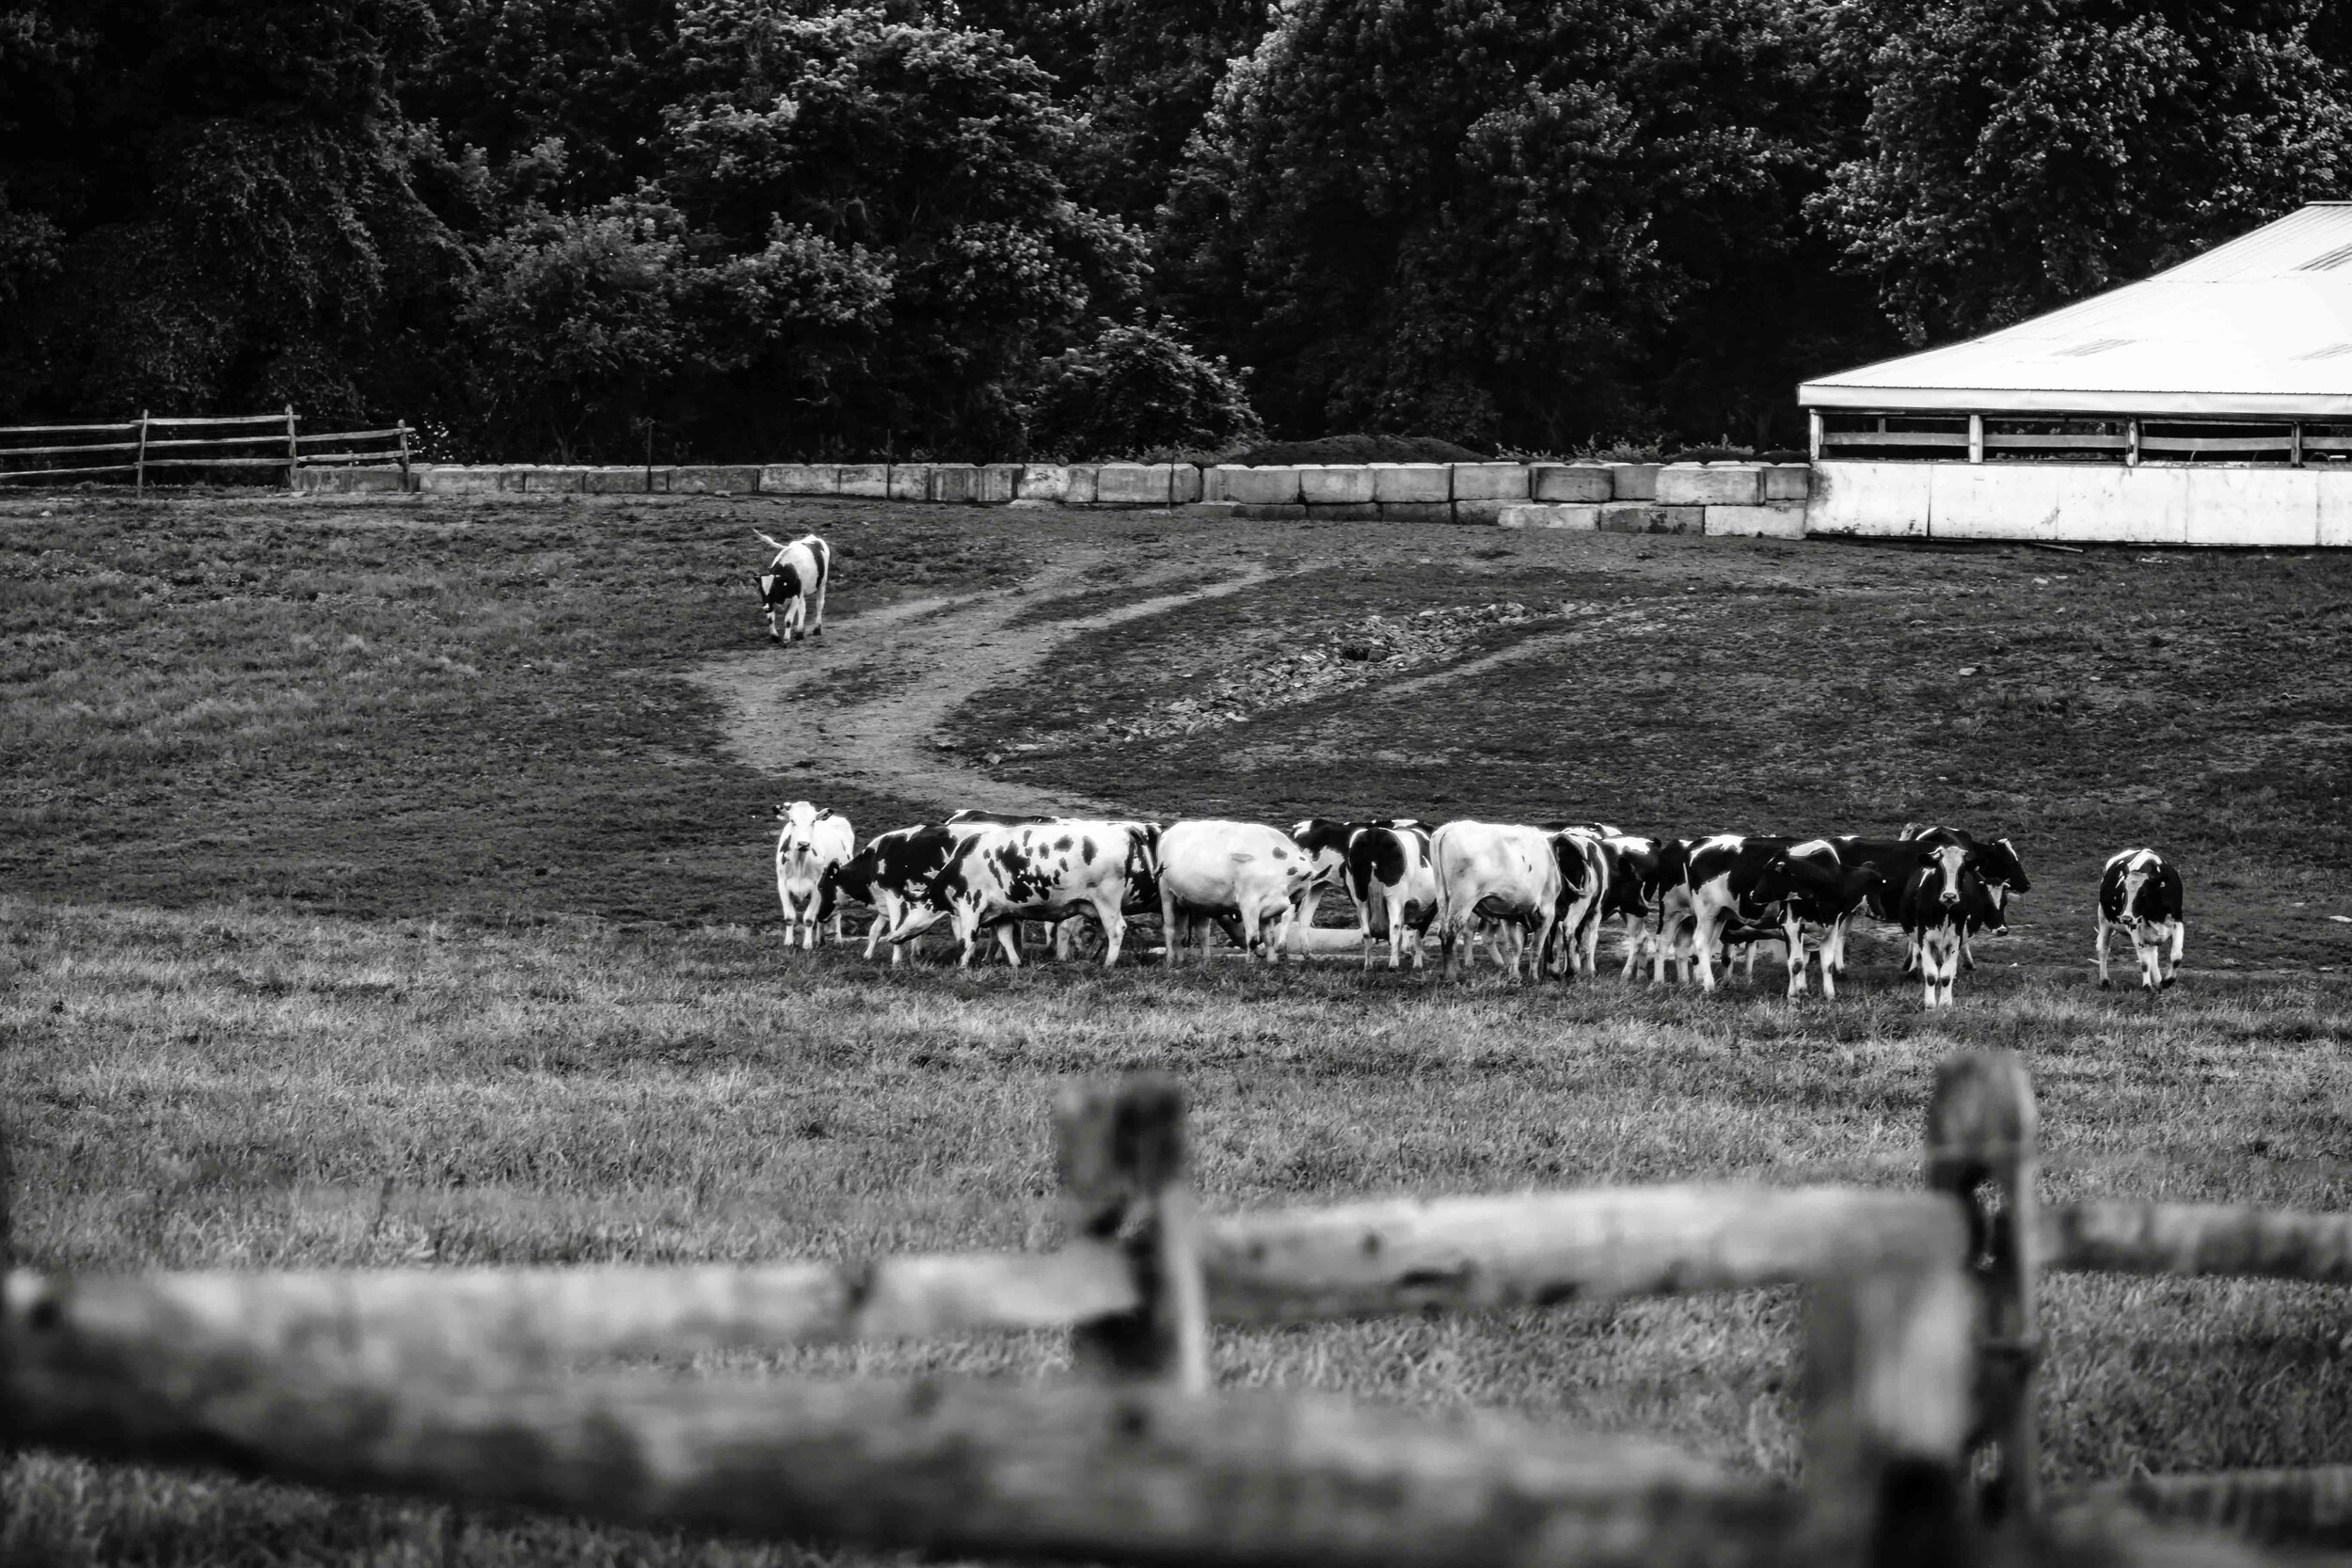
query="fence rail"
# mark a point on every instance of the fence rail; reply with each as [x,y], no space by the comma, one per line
[198,452]
[1921,1341]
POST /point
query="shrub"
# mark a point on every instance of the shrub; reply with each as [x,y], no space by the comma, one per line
[1133,389]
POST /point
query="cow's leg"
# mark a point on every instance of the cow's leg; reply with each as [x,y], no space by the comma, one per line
[1703,944]
[2180,940]
[2104,930]
[817,626]
[2150,951]
[1795,942]
[1009,938]
[1114,923]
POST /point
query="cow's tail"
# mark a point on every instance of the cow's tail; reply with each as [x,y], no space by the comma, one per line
[776,545]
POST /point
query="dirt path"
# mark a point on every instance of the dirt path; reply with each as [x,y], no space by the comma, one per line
[868,699]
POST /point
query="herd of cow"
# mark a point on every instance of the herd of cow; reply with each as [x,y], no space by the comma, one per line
[1538,895]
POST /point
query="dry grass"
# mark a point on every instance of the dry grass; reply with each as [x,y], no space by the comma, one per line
[380,894]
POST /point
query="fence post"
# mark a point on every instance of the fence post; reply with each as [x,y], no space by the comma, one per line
[1126,1184]
[1982,1147]
[8,1417]
[294,448]
[142,459]
[404,457]
[1888,1364]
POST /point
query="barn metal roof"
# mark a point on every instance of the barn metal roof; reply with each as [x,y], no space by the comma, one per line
[2261,326]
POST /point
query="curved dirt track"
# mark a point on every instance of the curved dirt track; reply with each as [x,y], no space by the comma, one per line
[866,700]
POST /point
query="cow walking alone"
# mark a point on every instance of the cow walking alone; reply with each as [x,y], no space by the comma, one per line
[810,850]
[2140,892]
[794,585]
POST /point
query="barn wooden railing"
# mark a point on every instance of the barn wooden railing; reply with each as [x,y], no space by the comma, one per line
[1920,1348]
[152,441]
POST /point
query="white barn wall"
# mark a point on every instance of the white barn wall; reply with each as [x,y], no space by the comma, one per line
[2082,503]
[1875,500]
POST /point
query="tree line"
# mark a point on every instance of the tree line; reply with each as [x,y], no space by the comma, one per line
[777,229]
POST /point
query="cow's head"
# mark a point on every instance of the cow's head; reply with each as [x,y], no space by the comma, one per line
[2138,872]
[799,819]
[2002,869]
[1324,839]
[1939,866]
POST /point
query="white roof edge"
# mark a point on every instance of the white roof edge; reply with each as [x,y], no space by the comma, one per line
[2119,405]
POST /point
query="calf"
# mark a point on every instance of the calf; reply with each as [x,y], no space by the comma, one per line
[1003,874]
[1494,871]
[1246,872]
[793,583]
[1995,860]
[2140,892]
[1815,888]
[1941,895]
[811,845]
[1389,873]
[891,873]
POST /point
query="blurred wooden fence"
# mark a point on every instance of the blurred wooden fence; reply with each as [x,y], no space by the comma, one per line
[147,442]
[1921,1341]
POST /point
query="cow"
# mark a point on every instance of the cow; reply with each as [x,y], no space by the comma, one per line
[891,873]
[1389,873]
[1720,875]
[1003,874]
[1996,861]
[1326,840]
[794,581]
[1941,894]
[1813,887]
[810,844]
[1255,875]
[1064,932]
[2140,892]
[1583,855]
[1632,891]
[1495,871]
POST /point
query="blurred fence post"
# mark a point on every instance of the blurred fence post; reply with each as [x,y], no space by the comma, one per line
[1888,1368]
[405,485]
[294,448]
[142,457]
[1983,1149]
[1127,1184]
[7,1416]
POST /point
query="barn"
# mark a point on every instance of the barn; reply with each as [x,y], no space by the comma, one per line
[2208,404]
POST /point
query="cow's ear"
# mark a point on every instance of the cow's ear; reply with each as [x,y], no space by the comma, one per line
[824,812]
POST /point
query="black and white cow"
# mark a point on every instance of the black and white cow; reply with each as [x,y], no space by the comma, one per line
[810,844]
[1392,879]
[1497,871]
[1815,891]
[1720,876]
[891,874]
[1583,855]
[1001,874]
[794,586]
[1941,896]
[2140,892]
[1633,891]
[1326,840]
[1995,860]
[1252,875]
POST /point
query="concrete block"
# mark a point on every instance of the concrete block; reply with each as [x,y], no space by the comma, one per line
[1078,484]
[908,482]
[1633,482]
[2255,506]
[1411,483]
[353,481]
[2335,506]
[1490,481]
[1344,511]
[1417,512]
[1484,513]
[1787,481]
[556,480]
[801,478]
[1132,484]
[1217,511]
[714,481]
[1575,516]
[2064,501]
[998,483]
[1270,512]
[458,480]
[1334,485]
[1571,482]
[952,483]
[1261,486]
[1184,484]
[1869,500]
[1042,481]
[1651,517]
[867,481]
[1775,520]
[1213,483]
[1704,485]
[617,480]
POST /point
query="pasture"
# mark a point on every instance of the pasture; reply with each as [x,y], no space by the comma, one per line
[389,884]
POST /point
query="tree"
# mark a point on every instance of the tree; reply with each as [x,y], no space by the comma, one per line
[1133,388]
[2021,155]
[1514,224]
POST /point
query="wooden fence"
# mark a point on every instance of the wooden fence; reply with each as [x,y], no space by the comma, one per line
[146,442]
[1921,1341]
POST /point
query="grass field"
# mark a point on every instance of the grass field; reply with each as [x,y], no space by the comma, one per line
[382,887]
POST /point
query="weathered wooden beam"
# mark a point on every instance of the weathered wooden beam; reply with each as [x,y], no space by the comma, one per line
[1466,1254]
[1127,1186]
[1075,1471]
[2304,1506]
[1889,1368]
[1983,1136]
[2192,1239]
[8,1417]
[1541,1249]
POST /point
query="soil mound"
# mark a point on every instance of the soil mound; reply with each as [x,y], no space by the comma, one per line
[1356,449]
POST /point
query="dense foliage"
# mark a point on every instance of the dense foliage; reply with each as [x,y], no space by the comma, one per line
[771,228]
